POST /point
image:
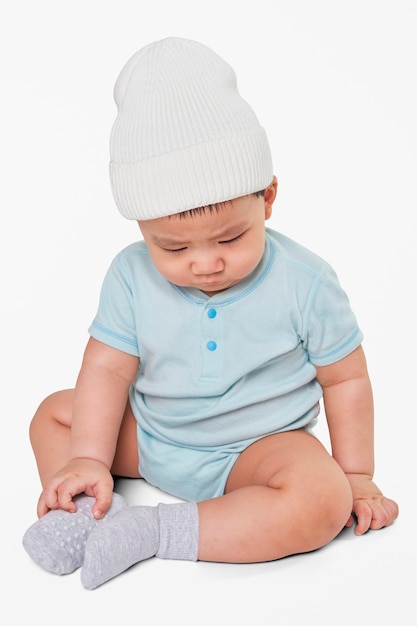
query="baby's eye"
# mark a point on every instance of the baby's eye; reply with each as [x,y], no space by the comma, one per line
[233,240]
[174,250]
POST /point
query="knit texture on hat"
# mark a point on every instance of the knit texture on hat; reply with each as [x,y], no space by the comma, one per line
[183,137]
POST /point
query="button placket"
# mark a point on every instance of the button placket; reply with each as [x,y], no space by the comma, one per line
[211,343]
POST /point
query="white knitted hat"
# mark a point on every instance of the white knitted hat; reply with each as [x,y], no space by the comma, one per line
[183,137]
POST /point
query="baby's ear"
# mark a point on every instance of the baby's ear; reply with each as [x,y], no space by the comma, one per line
[269,197]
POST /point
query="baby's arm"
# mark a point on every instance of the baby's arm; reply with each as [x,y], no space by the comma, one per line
[100,399]
[348,404]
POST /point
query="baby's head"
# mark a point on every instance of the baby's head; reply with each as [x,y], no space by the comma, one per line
[183,137]
[214,247]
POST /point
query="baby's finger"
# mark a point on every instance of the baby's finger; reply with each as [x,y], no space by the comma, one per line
[65,498]
[363,513]
[384,513]
[48,500]
[42,508]
[393,509]
[103,501]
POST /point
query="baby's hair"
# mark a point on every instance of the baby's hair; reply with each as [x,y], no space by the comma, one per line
[210,208]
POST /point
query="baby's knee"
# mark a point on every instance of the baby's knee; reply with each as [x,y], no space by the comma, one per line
[57,407]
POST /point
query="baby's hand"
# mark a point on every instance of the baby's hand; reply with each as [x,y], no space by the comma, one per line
[371,508]
[78,476]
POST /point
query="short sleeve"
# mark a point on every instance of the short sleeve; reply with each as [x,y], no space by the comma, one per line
[331,330]
[114,323]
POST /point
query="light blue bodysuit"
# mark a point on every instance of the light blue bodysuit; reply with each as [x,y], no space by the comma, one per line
[217,373]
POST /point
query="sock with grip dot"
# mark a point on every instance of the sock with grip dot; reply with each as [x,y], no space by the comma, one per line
[57,540]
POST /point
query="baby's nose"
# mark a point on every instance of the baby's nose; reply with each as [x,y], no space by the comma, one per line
[206,264]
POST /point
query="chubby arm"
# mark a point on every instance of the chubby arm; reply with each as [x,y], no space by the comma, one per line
[99,404]
[348,403]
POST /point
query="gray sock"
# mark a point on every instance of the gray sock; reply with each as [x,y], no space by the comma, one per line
[57,540]
[168,531]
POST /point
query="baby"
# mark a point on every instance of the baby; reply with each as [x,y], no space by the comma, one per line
[214,341]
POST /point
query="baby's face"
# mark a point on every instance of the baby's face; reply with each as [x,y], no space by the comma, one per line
[210,250]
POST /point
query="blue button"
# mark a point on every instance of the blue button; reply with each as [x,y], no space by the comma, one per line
[211,313]
[211,345]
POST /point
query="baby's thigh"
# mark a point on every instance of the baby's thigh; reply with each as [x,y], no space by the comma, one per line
[306,495]
[293,460]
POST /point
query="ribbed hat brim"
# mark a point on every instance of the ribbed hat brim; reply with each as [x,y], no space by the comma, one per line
[185,179]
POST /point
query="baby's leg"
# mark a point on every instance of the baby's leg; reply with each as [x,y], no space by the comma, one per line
[57,540]
[50,432]
[168,531]
[285,495]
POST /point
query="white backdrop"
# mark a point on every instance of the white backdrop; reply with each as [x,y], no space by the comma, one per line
[333,83]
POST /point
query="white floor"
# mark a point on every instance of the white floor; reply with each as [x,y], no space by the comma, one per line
[333,83]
